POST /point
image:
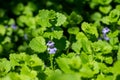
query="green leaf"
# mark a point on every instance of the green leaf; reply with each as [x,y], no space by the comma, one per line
[2,13]
[102,46]
[85,71]
[57,34]
[58,75]
[73,30]
[44,17]
[38,31]
[86,45]
[84,58]
[35,61]
[69,77]
[19,59]
[75,63]
[105,20]
[53,75]
[75,18]
[18,8]
[81,35]
[113,42]
[113,34]
[6,40]
[47,34]
[115,68]
[26,71]
[101,77]
[63,64]
[105,9]
[30,22]
[109,60]
[76,46]
[89,29]
[93,4]
[16,76]
[104,77]
[95,66]
[114,15]
[117,7]
[32,6]
[38,44]
[11,21]
[21,20]
[96,16]
[20,32]
[60,19]
[104,2]
[2,30]
[29,8]
[5,66]
[104,68]
[106,48]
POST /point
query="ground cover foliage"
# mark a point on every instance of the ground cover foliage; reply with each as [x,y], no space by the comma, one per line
[59,40]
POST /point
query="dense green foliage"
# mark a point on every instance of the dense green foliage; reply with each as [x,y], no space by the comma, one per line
[60,40]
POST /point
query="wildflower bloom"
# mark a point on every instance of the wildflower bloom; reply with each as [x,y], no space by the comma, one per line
[106,38]
[50,44]
[51,48]
[105,30]
[14,26]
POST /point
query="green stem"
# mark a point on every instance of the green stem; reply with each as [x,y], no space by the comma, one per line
[51,61]
[67,51]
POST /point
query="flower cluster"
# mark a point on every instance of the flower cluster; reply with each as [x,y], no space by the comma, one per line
[51,48]
[105,31]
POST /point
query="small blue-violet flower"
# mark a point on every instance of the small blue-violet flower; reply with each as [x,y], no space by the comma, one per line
[105,30]
[14,26]
[52,50]
[106,38]
[50,44]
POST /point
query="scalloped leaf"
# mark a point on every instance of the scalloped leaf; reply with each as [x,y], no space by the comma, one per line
[38,44]
[60,19]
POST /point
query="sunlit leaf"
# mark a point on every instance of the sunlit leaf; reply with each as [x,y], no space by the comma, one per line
[38,44]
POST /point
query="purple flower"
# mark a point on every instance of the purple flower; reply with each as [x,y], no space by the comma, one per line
[105,30]
[106,38]
[50,44]
[14,26]
[52,50]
